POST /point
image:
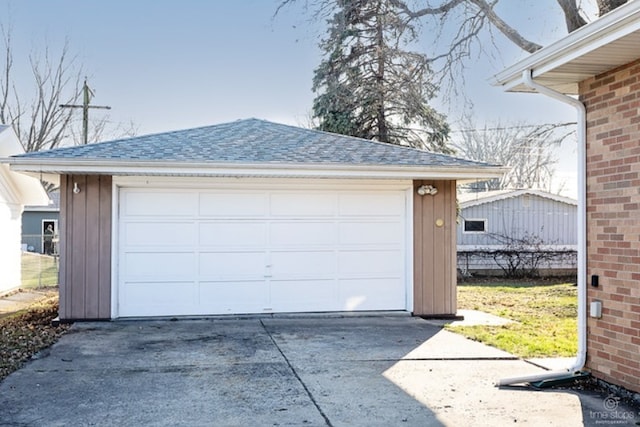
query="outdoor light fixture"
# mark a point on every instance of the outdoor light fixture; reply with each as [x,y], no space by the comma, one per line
[76,189]
[423,190]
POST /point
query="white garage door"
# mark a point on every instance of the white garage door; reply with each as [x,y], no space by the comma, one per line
[222,251]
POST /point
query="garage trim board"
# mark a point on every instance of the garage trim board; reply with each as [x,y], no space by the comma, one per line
[188,247]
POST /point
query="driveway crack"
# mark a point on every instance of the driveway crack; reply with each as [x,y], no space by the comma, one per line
[304,386]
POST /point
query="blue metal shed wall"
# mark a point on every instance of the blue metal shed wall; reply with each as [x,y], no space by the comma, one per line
[553,221]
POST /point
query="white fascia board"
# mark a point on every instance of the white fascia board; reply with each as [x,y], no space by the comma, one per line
[613,26]
[41,209]
[251,170]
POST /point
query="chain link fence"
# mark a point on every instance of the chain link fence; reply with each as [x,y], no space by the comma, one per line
[40,264]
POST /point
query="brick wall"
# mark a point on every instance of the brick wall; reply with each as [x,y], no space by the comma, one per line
[613,222]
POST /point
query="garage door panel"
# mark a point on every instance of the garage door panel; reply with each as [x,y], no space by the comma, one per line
[223,251]
[298,204]
[372,204]
[162,266]
[159,233]
[302,234]
[303,295]
[158,298]
[234,297]
[159,203]
[371,294]
[233,234]
[233,204]
[370,263]
[373,233]
[303,264]
[229,265]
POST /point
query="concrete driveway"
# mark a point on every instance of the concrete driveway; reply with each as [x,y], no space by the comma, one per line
[324,371]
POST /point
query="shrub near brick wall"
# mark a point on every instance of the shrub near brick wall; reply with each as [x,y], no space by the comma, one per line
[613,222]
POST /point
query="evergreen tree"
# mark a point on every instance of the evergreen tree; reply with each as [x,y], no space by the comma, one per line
[369,86]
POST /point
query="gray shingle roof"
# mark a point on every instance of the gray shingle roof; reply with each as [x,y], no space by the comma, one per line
[253,141]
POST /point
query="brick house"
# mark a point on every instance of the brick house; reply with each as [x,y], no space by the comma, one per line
[600,63]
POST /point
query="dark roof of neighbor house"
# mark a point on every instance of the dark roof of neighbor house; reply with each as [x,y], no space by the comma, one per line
[253,141]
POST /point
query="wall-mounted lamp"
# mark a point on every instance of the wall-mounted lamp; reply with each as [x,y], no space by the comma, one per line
[423,190]
[76,189]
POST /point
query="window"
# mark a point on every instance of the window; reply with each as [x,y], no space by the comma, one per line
[50,236]
[475,225]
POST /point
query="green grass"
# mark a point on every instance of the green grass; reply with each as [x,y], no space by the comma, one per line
[39,270]
[544,315]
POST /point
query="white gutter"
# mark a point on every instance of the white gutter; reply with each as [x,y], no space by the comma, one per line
[582,235]
[578,45]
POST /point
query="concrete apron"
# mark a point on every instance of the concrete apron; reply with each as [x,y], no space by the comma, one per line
[358,371]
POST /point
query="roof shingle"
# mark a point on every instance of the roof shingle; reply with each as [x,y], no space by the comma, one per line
[254,141]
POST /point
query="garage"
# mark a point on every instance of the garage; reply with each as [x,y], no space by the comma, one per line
[256,217]
[256,248]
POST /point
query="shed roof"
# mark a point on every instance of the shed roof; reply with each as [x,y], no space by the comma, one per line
[480,198]
[604,44]
[247,144]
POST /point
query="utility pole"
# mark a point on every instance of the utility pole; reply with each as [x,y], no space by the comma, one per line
[87,94]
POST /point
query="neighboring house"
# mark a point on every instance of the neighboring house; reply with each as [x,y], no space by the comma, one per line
[516,232]
[16,190]
[36,221]
[600,63]
[254,217]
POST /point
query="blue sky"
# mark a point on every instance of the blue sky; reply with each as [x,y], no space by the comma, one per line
[167,64]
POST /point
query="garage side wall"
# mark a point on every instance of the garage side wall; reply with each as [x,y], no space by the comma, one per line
[435,250]
[85,247]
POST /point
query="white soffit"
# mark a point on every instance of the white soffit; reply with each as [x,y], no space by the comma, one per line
[28,190]
[600,46]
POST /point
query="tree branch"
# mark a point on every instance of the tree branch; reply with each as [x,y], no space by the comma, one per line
[508,31]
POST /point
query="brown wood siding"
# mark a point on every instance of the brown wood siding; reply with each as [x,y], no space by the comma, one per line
[85,247]
[434,283]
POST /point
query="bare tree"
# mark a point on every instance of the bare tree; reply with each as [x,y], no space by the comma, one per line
[36,113]
[101,129]
[526,149]
[472,17]
[39,122]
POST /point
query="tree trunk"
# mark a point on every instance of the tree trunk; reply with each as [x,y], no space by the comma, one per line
[606,6]
[383,131]
[572,15]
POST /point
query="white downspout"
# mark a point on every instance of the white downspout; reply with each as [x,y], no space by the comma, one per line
[582,235]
